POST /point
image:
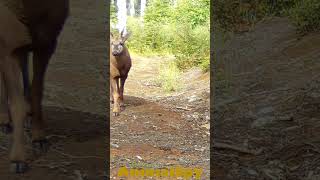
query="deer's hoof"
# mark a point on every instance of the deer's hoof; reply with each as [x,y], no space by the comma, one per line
[116,113]
[19,167]
[40,146]
[27,123]
[6,128]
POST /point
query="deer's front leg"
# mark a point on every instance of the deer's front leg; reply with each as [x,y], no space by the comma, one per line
[111,94]
[5,125]
[116,96]
[18,111]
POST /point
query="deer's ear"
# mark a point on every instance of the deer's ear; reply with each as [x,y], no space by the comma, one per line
[125,37]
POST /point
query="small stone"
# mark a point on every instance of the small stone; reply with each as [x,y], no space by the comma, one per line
[139,157]
[114,145]
[252,172]
[207,126]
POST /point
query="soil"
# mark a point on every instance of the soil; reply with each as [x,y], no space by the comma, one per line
[267,100]
[160,129]
[75,103]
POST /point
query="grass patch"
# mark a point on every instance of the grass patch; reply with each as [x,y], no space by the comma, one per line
[169,76]
[230,15]
[306,15]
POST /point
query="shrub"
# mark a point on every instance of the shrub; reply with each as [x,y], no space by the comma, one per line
[192,47]
[231,14]
[306,15]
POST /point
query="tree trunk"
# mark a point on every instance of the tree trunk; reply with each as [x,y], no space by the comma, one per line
[132,12]
[137,7]
[128,7]
[121,14]
[143,7]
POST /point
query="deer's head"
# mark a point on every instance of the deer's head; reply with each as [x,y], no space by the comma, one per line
[117,43]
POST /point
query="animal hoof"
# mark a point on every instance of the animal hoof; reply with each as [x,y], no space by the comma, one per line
[40,146]
[116,114]
[6,128]
[18,167]
[27,123]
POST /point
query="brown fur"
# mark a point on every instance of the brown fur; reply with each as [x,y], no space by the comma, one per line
[34,26]
[119,68]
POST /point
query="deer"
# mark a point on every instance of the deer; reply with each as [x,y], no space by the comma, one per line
[29,26]
[120,65]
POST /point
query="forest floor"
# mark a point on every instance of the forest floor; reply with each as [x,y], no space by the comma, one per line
[158,129]
[75,103]
[267,104]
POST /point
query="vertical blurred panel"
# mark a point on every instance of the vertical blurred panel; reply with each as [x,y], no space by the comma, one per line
[266,80]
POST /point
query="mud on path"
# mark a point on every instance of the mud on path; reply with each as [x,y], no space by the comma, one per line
[161,130]
[267,101]
[75,103]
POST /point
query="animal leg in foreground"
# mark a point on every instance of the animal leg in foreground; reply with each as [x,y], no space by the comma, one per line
[116,96]
[18,109]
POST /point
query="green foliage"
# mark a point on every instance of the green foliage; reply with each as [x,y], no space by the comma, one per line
[182,30]
[113,13]
[158,11]
[192,46]
[192,12]
[306,15]
[230,14]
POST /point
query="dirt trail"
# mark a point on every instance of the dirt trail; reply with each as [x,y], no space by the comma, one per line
[75,102]
[153,132]
[267,103]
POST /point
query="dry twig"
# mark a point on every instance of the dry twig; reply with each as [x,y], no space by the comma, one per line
[219,145]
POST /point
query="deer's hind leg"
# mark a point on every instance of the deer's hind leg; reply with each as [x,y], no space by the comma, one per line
[18,112]
[121,89]
[40,63]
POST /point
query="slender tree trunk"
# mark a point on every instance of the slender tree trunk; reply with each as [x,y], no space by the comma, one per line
[143,7]
[121,14]
[132,12]
[128,7]
[137,7]
[115,4]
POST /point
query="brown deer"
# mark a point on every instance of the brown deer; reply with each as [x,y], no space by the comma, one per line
[120,64]
[27,26]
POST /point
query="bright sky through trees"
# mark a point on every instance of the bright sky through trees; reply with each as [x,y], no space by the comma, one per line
[143,7]
[121,15]
[122,12]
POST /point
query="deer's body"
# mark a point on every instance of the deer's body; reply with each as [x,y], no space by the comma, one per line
[26,26]
[120,64]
